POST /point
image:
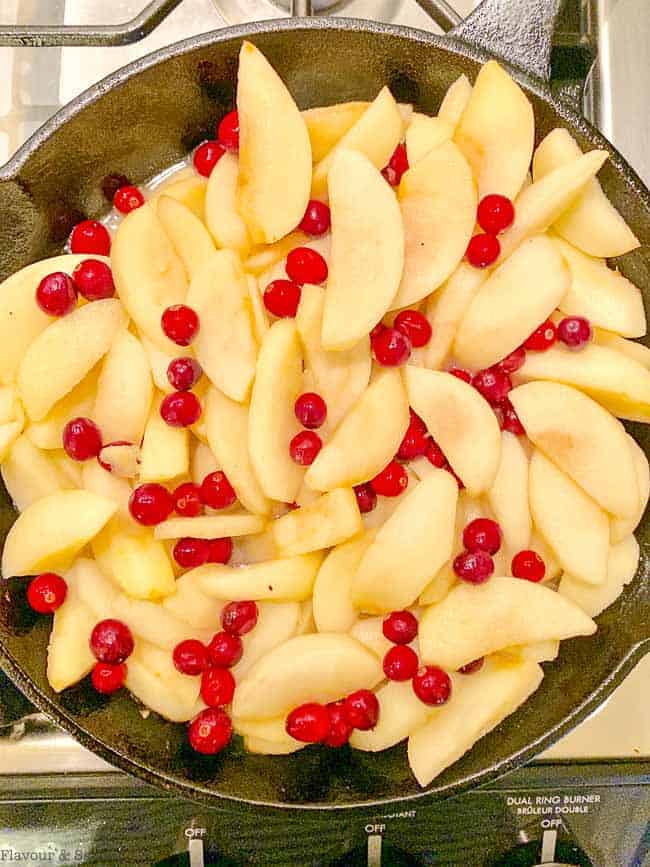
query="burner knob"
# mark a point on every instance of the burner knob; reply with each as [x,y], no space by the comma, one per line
[374,855]
[566,854]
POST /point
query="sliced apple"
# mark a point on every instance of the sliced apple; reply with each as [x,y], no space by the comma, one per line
[622,564]
[274,151]
[165,449]
[9,433]
[159,363]
[30,473]
[387,505]
[333,608]
[151,622]
[591,223]
[551,563]
[400,713]
[369,631]
[124,391]
[190,604]
[260,317]
[540,651]
[333,518]
[460,421]
[221,215]
[289,579]
[153,679]
[187,233]
[69,658]
[268,736]
[622,527]
[264,257]
[141,566]
[634,350]
[508,496]
[277,622]
[96,480]
[424,133]
[189,189]
[455,100]
[210,526]
[327,124]
[47,433]
[203,462]
[501,316]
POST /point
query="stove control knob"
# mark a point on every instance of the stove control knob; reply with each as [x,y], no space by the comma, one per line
[378,853]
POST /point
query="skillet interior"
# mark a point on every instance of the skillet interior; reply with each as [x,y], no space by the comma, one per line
[146,117]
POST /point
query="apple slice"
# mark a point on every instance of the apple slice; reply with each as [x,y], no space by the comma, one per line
[333,518]
[155,681]
[622,527]
[321,667]
[274,151]
[498,143]
[540,651]
[268,736]
[592,223]
[365,218]
[260,317]
[508,496]
[327,124]
[188,189]
[151,622]
[210,526]
[583,439]
[50,369]
[277,622]
[461,422]
[272,423]
[141,566]
[622,564]
[165,450]
[290,579]
[455,100]
[476,620]
[369,631]
[414,543]
[159,363]
[387,505]
[203,462]
[29,473]
[69,658]
[47,433]
[189,237]
[221,215]
[333,608]
[423,134]
[9,433]
[190,604]
[400,713]
[96,480]
[264,257]
[551,563]
[631,348]
[367,438]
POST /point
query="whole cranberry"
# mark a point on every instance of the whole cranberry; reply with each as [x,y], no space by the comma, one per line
[400,627]
[528,565]
[391,347]
[305,265]
[238,618]
[187,500]
[228,131]
[191,657]
[513,362]
[56,294]
[206,156]
[510,419]
[180,409]
[317,219]
[190,553]
[310,410]
[362,709]
[414,444]
[493,384]
[183,373]
[225,650]
[151,504]
[210,731]
[304,447]
[309,723]
[47,592]
[482,534]
[216,491]
[400,663]
[217,687]
[220,550]
[111,641]
[128,199]
[397,165]
[435,455]
[180,323]
[92,237]
[415,325]
[82,439]
[366,497]
[495,213]
[94,279]
[542,337]
[483,250]
[575,332]
[339,728]
[391,481]
[281,298]
[432,685]
[107,678]
[475,567]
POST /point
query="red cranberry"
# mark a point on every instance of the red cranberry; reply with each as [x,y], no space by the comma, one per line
[90,236]
[150,504]
[107,678]
[340,729]
[228,131]
[82,439]
[575,332]
[111,641]
[305,265]
[473,666]
[495,213]
[46,592]
[459,373]
[511,363]
[310,410]
[483,250]
[400,663]
[238,618]
[475,567]
[210,731]
[415,325]
[397,165]
[183,373]
[304,447]
[127,199]
[391,347]
[111,184]
[216,491]
[542,338]
[187,500]
[191,657]
[379,327]
[400,627]
[180,409]
[220,550]
[217,687]
[493,384]
[452,472]
[435,455]
[317,219]
[482,534]
[94,279]
[180,323]
[415,422]
[362,709]
[309,723]
[56,294]
[391,481]
[414,444]
[190,553]
[510,419]
[366,497]
[432,685]
[225,650]
[206,156]
[528,565]
[281,298]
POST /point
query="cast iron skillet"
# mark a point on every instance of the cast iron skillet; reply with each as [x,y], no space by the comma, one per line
[145,117]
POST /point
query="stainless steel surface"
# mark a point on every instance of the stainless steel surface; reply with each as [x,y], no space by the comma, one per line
[301,8]
[441,12]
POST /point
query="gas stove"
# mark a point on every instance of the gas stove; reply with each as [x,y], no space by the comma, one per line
[586,801]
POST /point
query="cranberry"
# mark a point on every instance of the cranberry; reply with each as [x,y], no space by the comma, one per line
[452,472]
[111,641]
[495,213]
[216,491]
[127,199]
[542,338]
[56,294]
[493,384]
[304,447]
[482,534]
[397,165]
[309,723]
[528,565]
[151,503]
[391,347]
[220,550]
[317,219]
[305,265]
[107,678]
[435,455]
[180,323]
[187,500]
[46,592]
[483,250]
[575,332]
[475,567]
[511,363]
[206,156]
[190,553]
[415,326]
[217,687]
[339,729]
[391,481]
[94,279]
[191,657]
[111,184]
[510,419]
[459,373]
[210,731]
[82,439]
[366,497]
[379,327]
[310,410]
[432,685]
[228,131]
[362,709]
[473,666]
[400,663]
[238,618]
[180,409]
[183,373]
[90,236]
[281,298]
[414,444]
[225,650]
[400,627]
[415,422]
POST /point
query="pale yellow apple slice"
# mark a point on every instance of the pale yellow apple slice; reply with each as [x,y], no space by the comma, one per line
[69,658]
[423,134]
[268,736]
[369,631]
[210,526]
[202,462]
[540,651]
[151,622]
[591,223]
[65,352]
[400,713]
[455,100]
[476,620]
[438,204]
[333,518]
[634,350]
[367,438]
[287,579]
[479,703]
[365,218]
[153,679]
[265,256]
[47,433]
[622,527]
[387,505]
[583,439]
[274,151]
[9,433]
[159,363]
[321,667]
[221,215]
[571,523]
[277,622]
[414,543]
[622,564]
[460,421]
[498,143]
[122,459]
[333,608]
[29,473]
[551,563]
[260,317]
[263,747]
[501,315]
[190,604]
[165,452]
[327,124]
[141,566]
[187,233]
[508,496]
[272,423]
[69,468]
[96,480]
[189,189]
